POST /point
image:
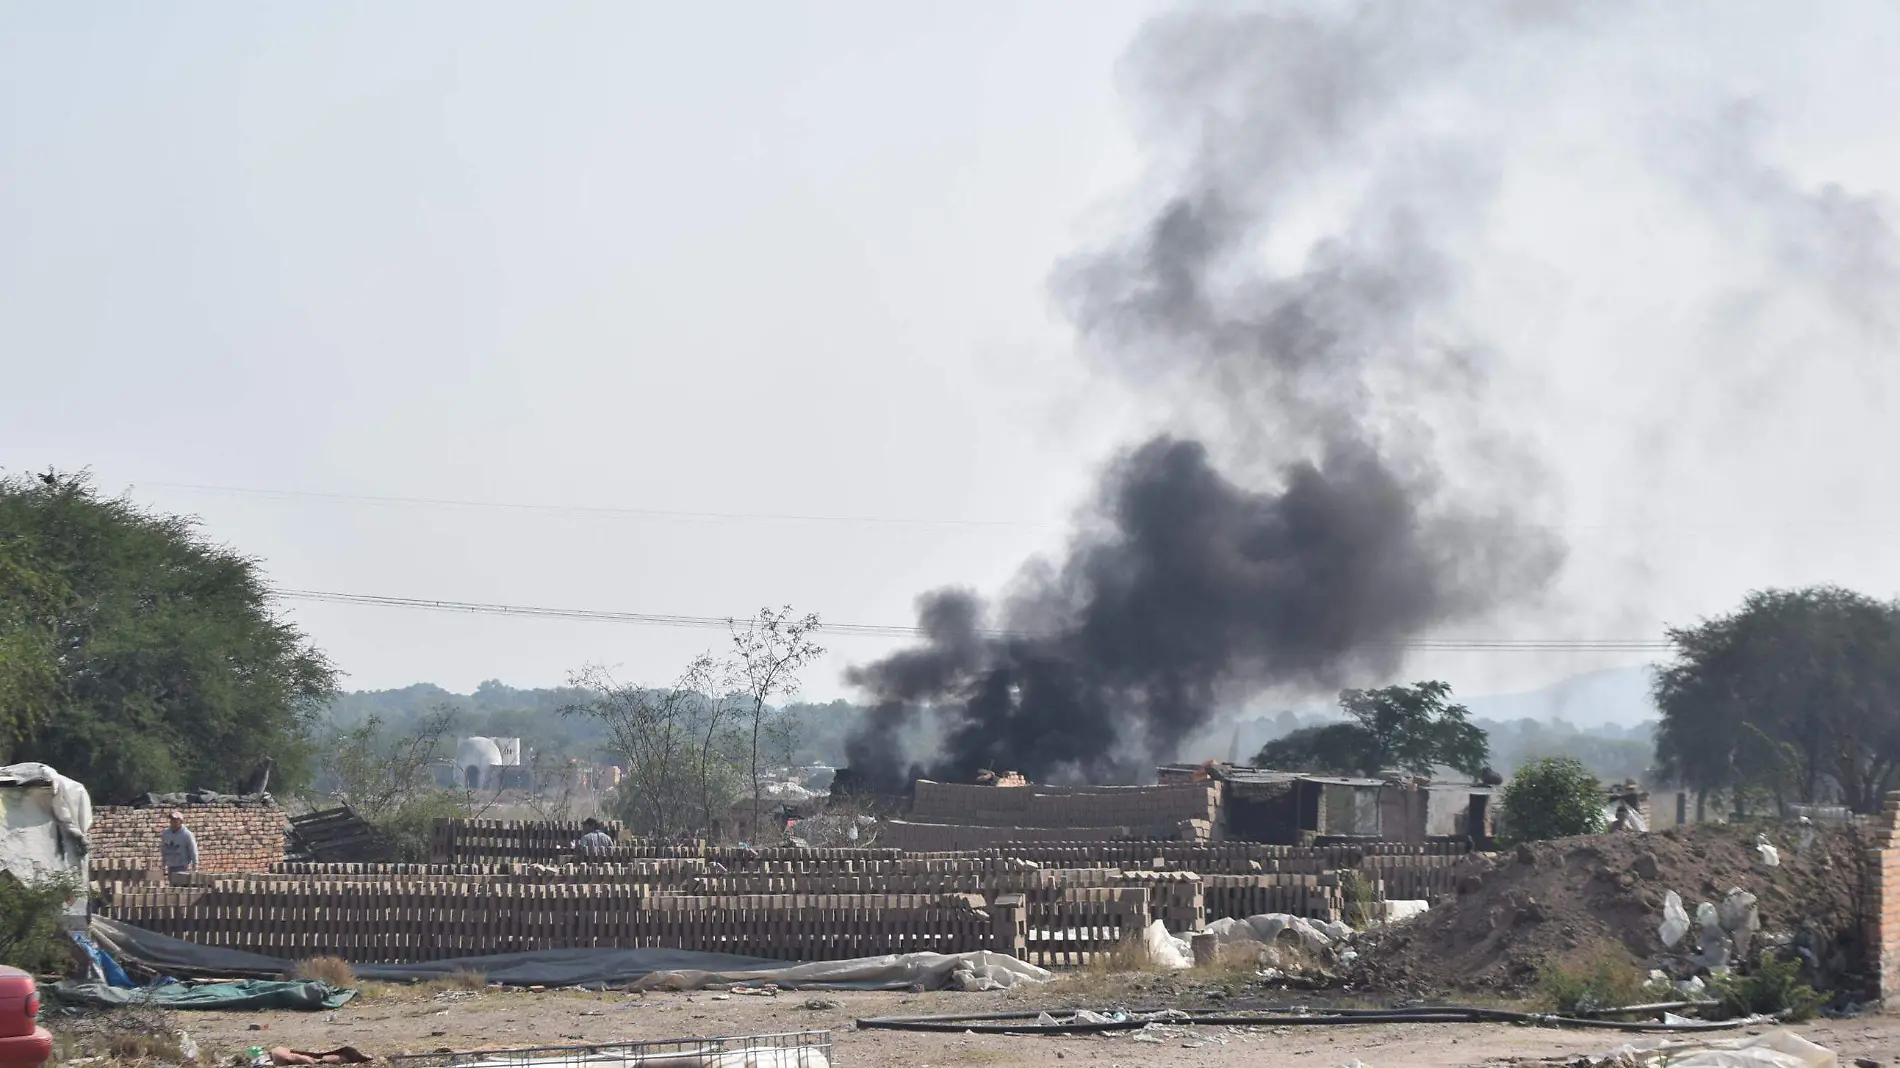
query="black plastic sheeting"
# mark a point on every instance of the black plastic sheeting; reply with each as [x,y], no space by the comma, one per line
[552,967]
[596,968]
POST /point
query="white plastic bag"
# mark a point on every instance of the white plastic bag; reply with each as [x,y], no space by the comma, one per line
[1675,922]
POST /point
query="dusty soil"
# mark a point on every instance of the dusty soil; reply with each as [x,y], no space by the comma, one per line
[396,1020]
[1520,908]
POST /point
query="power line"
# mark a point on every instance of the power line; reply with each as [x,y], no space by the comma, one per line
[590,510]
[883,630]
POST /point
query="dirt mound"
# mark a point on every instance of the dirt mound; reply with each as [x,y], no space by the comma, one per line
[1519,908]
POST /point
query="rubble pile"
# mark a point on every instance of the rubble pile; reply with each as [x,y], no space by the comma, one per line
[1711,886]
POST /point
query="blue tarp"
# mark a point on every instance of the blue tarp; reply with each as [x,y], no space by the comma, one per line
[103,962]
[245,994]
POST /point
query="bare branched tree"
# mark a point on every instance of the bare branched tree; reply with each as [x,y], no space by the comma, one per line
[677,743]
[769,650]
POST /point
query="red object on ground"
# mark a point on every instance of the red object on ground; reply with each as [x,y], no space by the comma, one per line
[23,1042]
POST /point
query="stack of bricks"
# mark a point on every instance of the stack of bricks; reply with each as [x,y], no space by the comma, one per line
[1159,808]
[238,835]
[1881,904]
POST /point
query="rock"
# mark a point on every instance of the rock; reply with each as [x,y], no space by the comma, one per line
[1866,1062]
[1470,884]
[1524,854]
[821,1004]
[1646,867]
[1626,881]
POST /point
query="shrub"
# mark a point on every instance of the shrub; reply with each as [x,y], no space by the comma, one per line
[1772,988]
[1601,978]
[1552,798]
[30,936]
[332,970]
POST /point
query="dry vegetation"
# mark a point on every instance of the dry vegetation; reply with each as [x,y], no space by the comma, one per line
[459,979]
[332,970]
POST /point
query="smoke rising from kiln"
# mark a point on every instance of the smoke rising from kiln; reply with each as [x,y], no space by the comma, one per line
[1308,527]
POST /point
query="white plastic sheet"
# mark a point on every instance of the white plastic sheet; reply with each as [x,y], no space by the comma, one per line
[1780,1048]
[72,805]
[1164,949]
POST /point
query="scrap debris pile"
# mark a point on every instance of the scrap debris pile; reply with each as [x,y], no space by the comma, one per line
[1682,901]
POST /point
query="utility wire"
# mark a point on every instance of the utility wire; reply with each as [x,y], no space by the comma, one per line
[882,630]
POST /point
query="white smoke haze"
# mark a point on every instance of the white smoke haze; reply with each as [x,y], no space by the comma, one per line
[1450,318]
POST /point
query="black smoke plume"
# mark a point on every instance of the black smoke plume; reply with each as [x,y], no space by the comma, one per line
[1308,527]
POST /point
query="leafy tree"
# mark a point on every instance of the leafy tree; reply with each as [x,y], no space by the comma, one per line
[29,648]
[1415,728]
[1327,749]
[1795,696]
[138,655]
[1553,798]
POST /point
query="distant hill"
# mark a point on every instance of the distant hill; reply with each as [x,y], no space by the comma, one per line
[1616,697]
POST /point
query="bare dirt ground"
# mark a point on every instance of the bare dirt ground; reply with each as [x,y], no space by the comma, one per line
[391,1020]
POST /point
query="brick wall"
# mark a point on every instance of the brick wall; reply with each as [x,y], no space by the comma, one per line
[1882,904]
[1065,806]
[232,836]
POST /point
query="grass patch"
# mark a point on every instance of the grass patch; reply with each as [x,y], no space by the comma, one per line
[459,979]
[332,970]
[144,1047]
[1602,977]
[1772,988]
[1356,887]
[1129,955]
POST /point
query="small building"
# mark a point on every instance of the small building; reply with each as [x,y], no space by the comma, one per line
[480,761]
[1291,808]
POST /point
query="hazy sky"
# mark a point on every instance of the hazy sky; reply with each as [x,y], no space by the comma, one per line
[719,266]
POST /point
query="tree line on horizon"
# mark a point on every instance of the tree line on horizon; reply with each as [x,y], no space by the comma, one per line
[138,654]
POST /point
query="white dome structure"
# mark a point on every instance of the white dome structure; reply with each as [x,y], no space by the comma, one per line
[478,759]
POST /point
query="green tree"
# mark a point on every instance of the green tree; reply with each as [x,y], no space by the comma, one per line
[1795,696]
[29,648]
[136,654]
[1555,797]
[1414,728]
